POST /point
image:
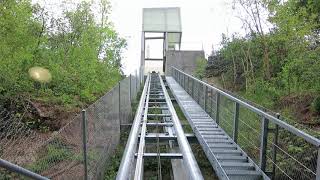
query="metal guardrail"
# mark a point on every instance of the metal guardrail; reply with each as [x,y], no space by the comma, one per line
[281,150]
[14,168]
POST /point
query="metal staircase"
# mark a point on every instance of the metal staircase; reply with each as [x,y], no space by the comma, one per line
[226,157]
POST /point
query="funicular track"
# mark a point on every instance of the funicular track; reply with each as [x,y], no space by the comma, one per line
[155,98]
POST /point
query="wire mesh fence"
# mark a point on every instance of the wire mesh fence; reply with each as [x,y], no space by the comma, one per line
[60,155]
[281,150]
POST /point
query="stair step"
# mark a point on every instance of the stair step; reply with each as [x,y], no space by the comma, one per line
[224,158]
[226,152]
[209,129]
[211,125]
[243,175]
[215,137]
[224,141]
[220,145]
[212,133]
[237,165]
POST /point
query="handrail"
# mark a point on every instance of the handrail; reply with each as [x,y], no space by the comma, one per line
[292,129]
[20,170]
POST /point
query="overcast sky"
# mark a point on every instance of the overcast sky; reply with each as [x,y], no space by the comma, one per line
[203,22]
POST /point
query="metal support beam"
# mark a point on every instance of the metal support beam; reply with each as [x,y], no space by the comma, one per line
[162,155]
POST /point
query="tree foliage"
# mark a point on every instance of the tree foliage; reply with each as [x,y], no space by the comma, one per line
[82,55]
[292,47]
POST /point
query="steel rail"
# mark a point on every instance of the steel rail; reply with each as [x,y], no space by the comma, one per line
[139,163]
[20,170]
[271,118]
[128,157]
[188,157]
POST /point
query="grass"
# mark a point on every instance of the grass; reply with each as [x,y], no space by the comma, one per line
[54,153]
[113,163]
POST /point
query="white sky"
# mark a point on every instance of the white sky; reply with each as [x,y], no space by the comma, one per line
[203,22]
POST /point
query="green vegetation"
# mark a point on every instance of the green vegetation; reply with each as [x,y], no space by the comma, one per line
[81,51]
[54,153]
[277,69]
[201,63]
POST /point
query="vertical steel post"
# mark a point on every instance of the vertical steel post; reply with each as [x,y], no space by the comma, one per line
[130,88]
[84,143]
[199,93]
[135,93]
[274,148]
[263,143]
[119,95]
[192,88]
[184,82]
[318,165]
[236,122]
[211,102]
[217,106]
[205,97]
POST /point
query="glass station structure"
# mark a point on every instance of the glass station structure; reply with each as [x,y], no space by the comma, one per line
[161,31]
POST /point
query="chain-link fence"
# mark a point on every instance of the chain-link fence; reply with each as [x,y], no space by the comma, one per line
[60,155]
[281,150]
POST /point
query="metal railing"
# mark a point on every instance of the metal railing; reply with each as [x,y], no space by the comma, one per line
[79,149]
[281,150]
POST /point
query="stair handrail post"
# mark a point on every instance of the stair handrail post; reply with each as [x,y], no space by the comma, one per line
[236,122]
[130,88]
[205,96]
[274,148]
[119,95]
[84,143]
[217,107]
[318,165]
[263,144]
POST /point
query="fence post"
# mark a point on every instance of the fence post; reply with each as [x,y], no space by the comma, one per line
[217,106]
[119,92]
[130,88]
[192,88]
[84,142]
[263,143]
[136,83]
[205,97]
[318,165]
[236,122]
[274,148]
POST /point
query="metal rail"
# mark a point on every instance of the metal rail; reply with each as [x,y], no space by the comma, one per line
[188,158]
[155,96]
[269,135]
[17,169]
[271,118]
[127,161]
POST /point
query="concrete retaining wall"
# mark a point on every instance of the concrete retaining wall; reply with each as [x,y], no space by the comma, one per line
[183,60]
